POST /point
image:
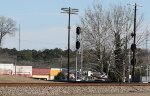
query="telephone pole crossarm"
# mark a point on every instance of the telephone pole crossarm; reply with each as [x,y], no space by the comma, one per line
[69,11]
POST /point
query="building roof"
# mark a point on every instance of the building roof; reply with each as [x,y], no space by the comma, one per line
[40,71]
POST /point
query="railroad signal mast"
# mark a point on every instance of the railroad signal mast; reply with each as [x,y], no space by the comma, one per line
[133,45]
[78,51]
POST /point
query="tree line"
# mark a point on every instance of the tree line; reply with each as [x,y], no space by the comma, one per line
[37,58]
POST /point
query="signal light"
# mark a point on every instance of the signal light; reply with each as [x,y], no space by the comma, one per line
[132,34]
[133,47]
[78,30]
[77,45]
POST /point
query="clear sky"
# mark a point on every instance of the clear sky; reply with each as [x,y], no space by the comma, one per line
[43,26]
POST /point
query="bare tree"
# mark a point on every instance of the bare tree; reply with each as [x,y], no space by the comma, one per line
[96,36]
[106,34]
[7,26]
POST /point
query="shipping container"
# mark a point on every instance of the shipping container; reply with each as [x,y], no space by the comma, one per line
[6,69]
[25,71]
[41,73]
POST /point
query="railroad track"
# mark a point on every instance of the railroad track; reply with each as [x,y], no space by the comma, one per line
[74,84]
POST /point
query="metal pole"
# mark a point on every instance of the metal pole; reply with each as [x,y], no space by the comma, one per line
[76,59]
[133,71]
[61,61]
[15,66]
[129,68]
[69,44]
[140,74]
[76,64]
[81,39]
[147,59]
[19,37]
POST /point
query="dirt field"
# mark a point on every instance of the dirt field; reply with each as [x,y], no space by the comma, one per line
[18,79]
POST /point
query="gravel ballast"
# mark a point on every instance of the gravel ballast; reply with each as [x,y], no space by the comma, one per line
[67,90]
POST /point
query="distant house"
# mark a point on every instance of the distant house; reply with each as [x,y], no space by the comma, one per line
[41,73]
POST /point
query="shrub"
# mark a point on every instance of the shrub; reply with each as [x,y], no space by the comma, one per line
[60,76]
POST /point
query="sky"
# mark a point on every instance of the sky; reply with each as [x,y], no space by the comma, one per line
[43,26]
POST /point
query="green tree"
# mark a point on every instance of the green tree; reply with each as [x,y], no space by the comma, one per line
[25,55]
[118,57]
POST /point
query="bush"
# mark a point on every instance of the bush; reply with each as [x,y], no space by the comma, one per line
[60,76]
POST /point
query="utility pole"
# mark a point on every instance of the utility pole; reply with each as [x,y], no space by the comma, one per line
[69,11]
[147,69]
[19,37]
[134,60]
[18,50]
[61,58]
